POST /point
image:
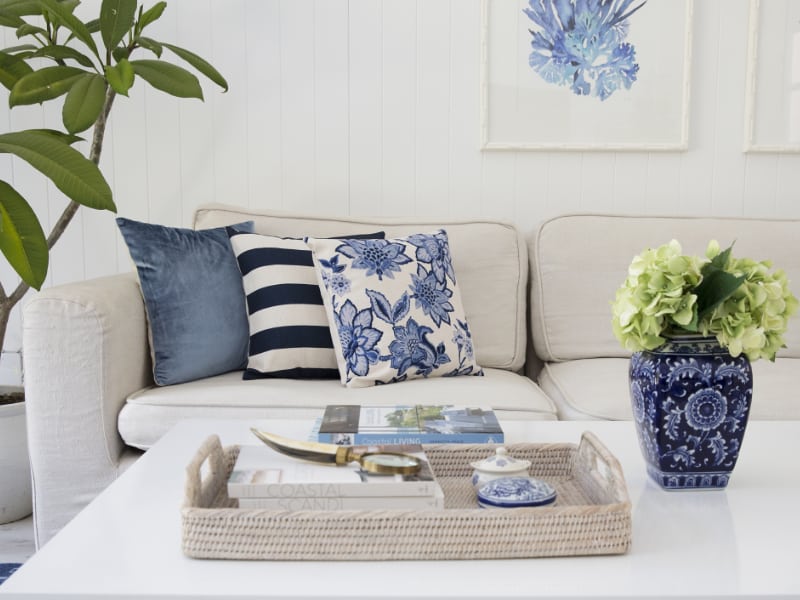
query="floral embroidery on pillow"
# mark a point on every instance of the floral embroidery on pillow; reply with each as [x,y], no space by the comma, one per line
[395,309]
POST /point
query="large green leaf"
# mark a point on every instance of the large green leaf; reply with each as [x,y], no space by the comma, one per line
[200,64]
[9,19]
[66,138]
[21,7]
[150,44]
[168,78]
[116,19]
[84,103]
[71,172]
[74,24]
[22,240]
[12,69]
[120,76]
[44,84]
[64,53]
[151,14]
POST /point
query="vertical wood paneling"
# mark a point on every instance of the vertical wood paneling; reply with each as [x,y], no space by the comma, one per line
[331,125]
[463,113]
[698,163]
[162,128]
[433,99]
[196,137]
[365,117]
[597,182]
[297,103]
[398,106]
[760,181]
[663,183]
[229,55]
[729,161]
[630,182]
[262,87]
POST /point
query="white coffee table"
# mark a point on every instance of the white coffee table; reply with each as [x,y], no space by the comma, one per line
[743,542]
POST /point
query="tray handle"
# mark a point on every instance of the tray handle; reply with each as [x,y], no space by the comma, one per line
[199,490]
[603,465]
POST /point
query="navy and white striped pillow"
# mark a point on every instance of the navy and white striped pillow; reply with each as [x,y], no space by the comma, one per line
[289,331]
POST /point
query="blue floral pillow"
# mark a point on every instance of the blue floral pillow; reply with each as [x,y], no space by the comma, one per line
[394,309]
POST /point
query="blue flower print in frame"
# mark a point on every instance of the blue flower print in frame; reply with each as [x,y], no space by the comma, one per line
[395,309]
[583,44]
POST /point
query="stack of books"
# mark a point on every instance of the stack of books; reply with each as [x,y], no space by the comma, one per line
[351,424]
[263,478]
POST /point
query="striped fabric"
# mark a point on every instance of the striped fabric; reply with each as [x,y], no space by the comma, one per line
[289,332]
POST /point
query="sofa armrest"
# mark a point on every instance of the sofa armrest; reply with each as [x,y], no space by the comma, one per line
[85,350]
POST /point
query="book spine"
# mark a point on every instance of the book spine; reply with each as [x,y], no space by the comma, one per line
[344,503]
[369,439]
[332,490]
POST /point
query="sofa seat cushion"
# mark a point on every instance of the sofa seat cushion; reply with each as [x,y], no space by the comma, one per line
[597,388]
[151,412]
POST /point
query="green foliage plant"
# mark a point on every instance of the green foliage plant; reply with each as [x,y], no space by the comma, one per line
[88,64]
[738,300]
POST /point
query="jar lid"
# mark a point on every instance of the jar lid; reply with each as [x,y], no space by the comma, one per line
[513,492]
[501,462]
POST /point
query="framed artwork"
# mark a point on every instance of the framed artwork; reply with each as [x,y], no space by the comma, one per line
[589,75]
[772,104]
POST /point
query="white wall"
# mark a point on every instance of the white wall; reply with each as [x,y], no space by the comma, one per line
[371,107]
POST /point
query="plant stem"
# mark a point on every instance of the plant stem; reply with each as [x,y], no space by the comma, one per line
[7,303]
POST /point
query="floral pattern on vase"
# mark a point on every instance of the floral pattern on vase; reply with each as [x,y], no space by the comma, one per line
[691,401]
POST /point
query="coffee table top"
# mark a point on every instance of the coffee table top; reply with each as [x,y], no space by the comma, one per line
[743,542]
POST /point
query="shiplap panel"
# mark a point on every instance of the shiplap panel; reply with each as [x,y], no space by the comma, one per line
[787,201]
[297,103]
[729,161]
[565,182]
[663,183]
[195,142]
[263,149]
[597,181]
[433,99]
[464,109]
[498,186]
[331,106]
[229,110]
[630,182]
[530,189]
[760,182]
[698,163]
[365,116]
[398,106]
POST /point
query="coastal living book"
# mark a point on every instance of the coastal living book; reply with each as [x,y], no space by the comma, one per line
[260,472]
[434,502]
[348,424]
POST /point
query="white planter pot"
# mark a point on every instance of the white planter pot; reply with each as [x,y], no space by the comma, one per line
[15,467]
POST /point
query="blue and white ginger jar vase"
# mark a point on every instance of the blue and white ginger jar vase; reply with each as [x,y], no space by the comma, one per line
[691,400]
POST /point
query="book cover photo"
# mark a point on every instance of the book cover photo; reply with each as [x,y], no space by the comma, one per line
[348,424]
[260,472]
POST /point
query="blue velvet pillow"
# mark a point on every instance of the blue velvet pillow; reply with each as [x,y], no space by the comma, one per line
[194,299]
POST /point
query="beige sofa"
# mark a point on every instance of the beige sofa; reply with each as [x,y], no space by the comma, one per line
[92,404]
[577,263]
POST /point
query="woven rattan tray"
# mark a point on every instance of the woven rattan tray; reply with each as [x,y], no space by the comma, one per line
[592,514]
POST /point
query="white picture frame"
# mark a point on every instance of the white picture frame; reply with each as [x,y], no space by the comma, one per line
[772,100]
[520,110]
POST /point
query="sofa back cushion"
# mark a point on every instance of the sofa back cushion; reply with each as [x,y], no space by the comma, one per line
[490,258]
[579,261]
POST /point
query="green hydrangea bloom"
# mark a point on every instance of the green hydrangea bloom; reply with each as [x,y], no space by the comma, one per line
[662,295]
